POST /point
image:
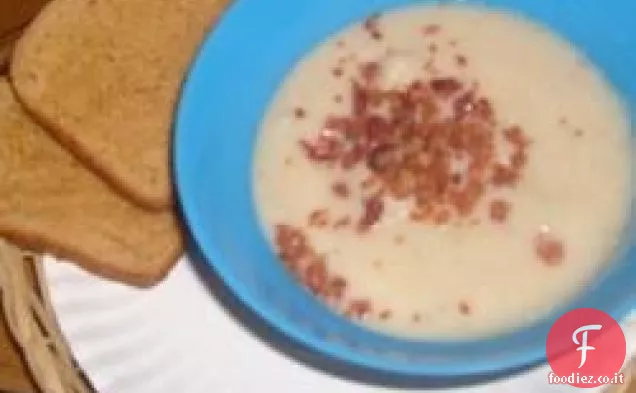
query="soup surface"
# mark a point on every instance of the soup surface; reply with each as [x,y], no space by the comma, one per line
[444,172]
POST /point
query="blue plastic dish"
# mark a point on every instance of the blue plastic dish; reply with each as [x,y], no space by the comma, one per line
[236,74]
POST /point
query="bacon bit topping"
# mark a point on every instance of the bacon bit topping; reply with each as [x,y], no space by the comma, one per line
[341,189]
[300,113]
[483,109]
[504,176]
[358,309]
[443,163]
[462,61]
[306,264]
[342,222]
[464,308]
[322,149]
[340,125]
[446,86]
[386,314]
[336,288]
[372,26]
[373,209]
[316,276]
[516,137]
[499,210]
[431,29]
[291,243]
[382,158]
[319,218]
[338,72]
[352,157]
[464,105]
[549,249]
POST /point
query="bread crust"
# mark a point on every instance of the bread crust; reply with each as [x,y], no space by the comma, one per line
[28,239]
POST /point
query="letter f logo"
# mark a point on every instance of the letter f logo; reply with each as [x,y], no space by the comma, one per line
[583,343]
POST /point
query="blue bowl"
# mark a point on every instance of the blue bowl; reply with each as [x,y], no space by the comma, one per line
[239,68]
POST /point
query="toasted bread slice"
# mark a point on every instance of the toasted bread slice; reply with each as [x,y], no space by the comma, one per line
[52,203]
[104,77]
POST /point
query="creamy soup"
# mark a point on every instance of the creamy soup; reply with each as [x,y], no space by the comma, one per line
[444,172]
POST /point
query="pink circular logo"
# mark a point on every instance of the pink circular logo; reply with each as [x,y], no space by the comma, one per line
[586,348]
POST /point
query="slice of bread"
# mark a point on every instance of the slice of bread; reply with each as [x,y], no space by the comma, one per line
[51,203]
[104,76]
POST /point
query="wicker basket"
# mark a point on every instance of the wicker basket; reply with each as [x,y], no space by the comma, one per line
[31,321]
